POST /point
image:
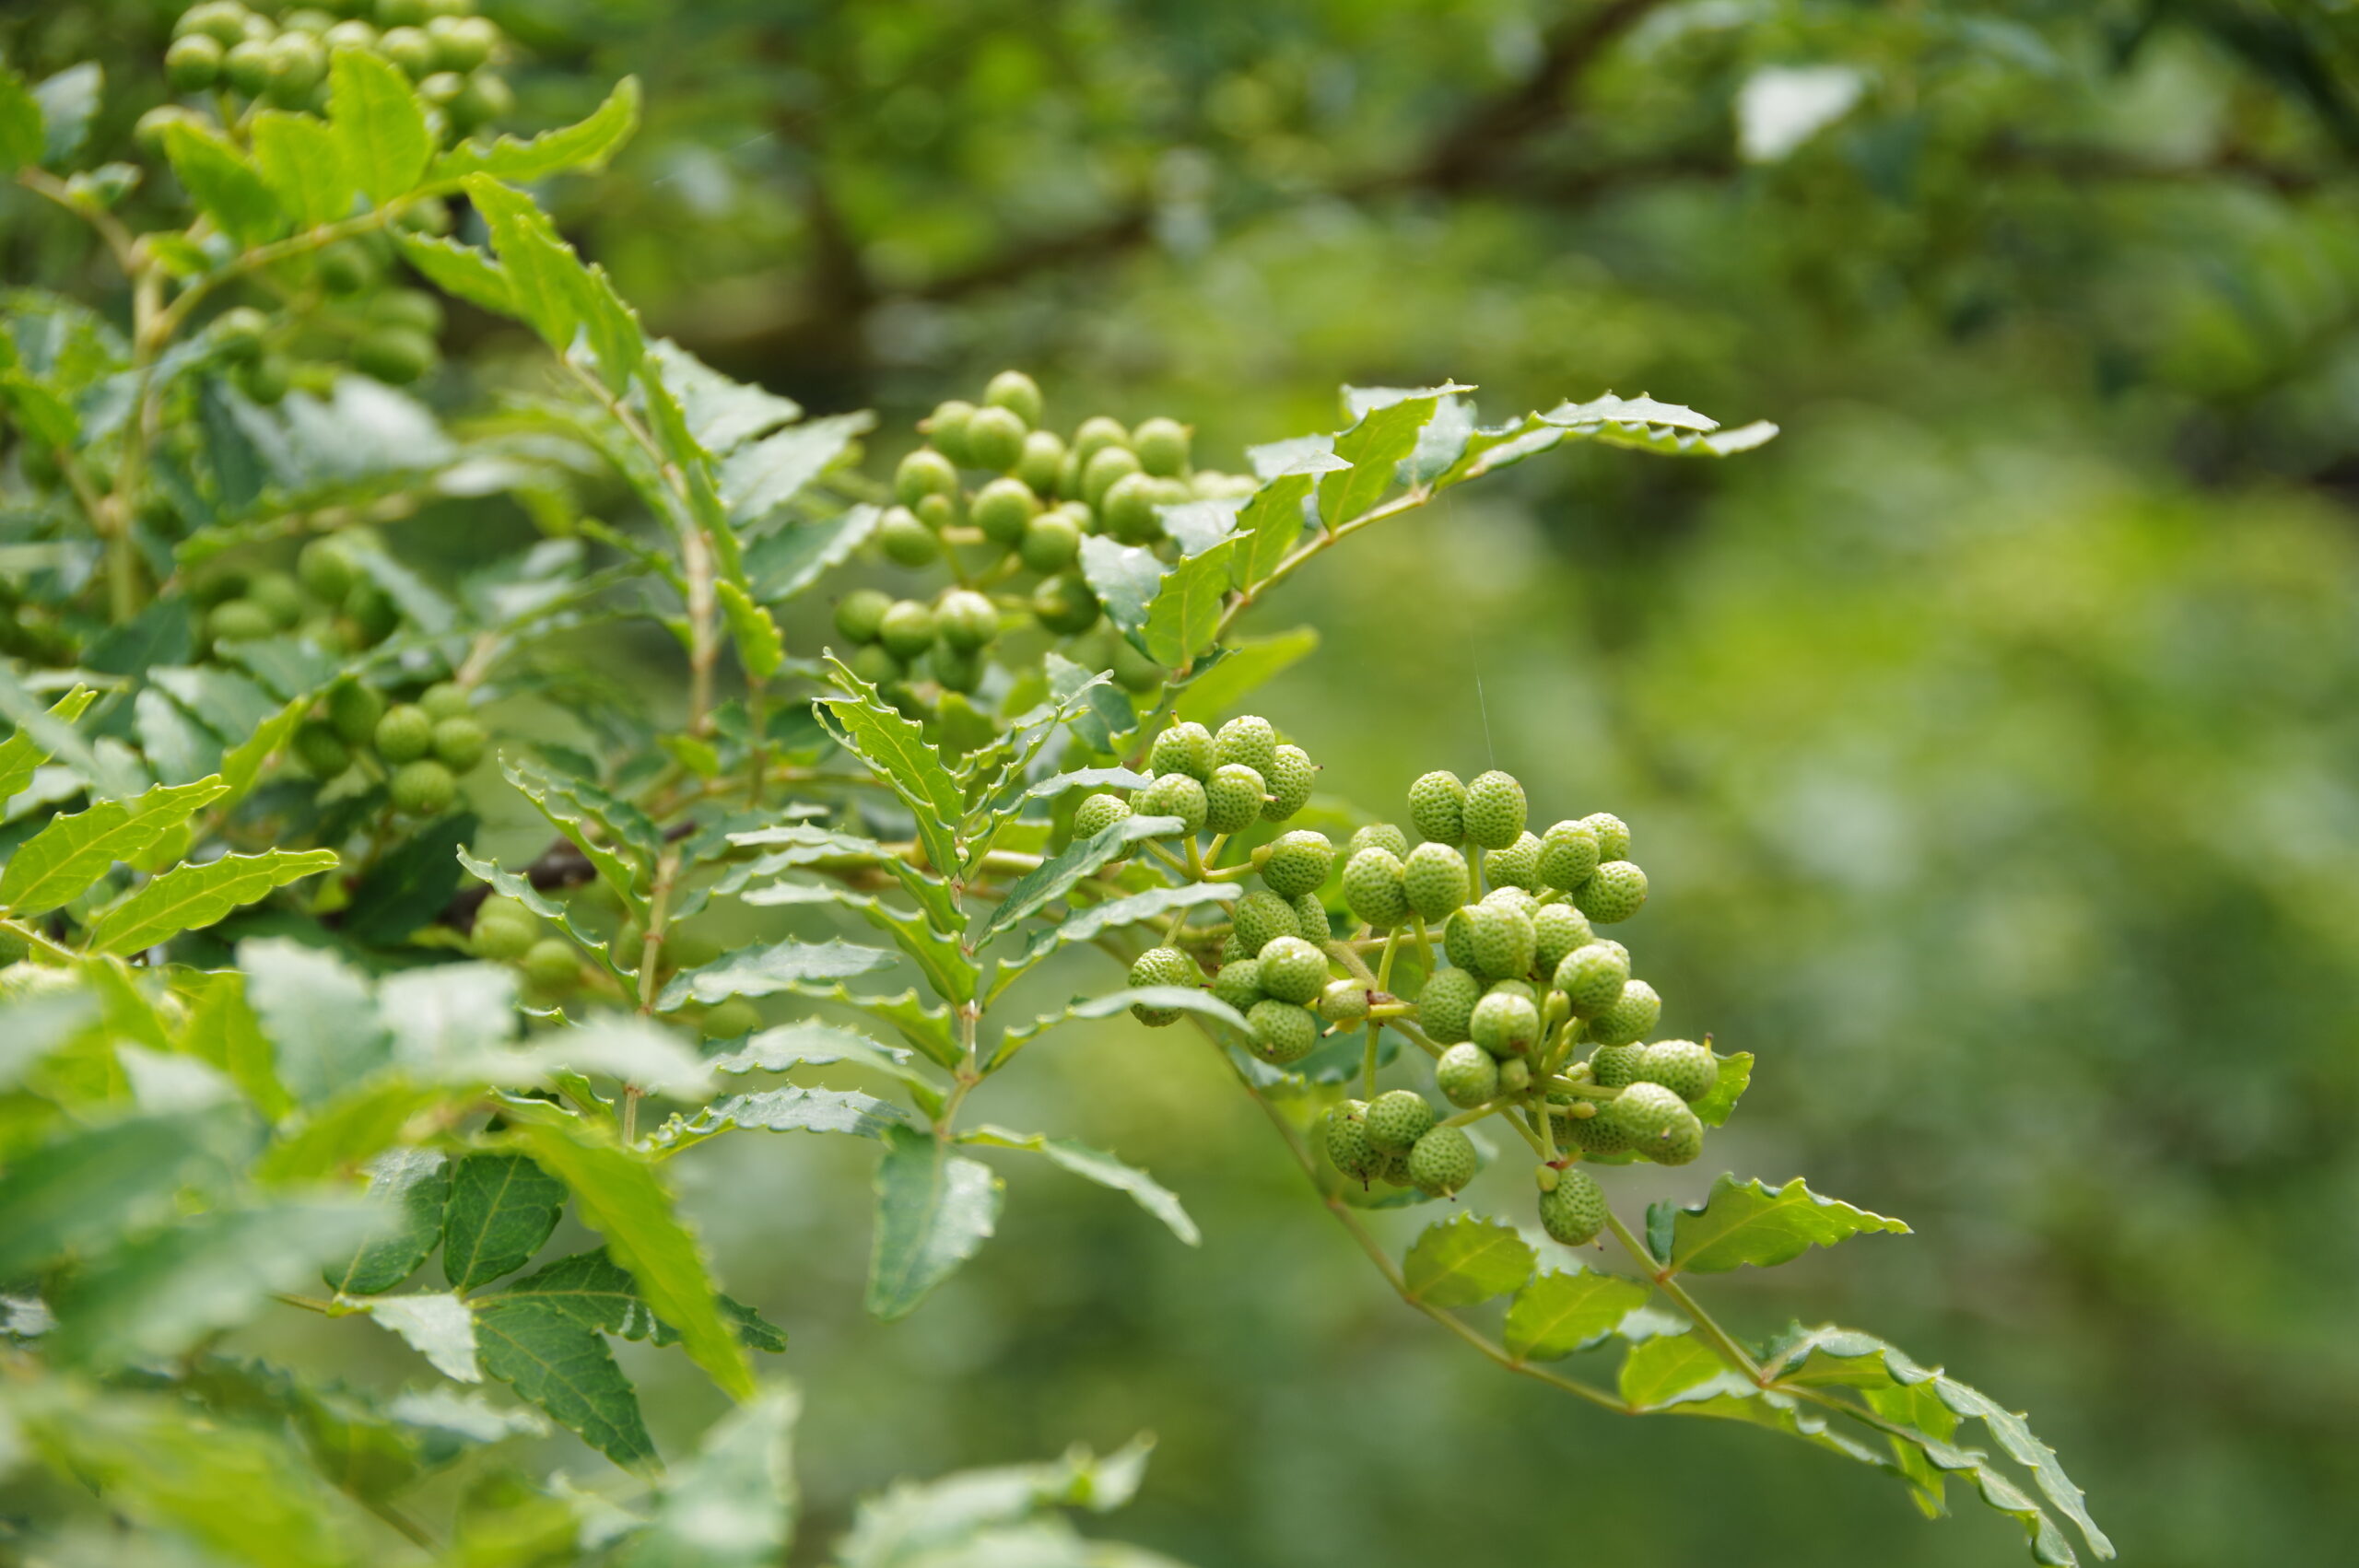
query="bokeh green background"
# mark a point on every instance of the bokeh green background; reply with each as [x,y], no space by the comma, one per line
[1989,738]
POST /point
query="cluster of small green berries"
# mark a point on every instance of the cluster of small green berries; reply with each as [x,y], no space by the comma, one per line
[223,46]
[327,598]
[387,334]
[899,642]
[421,746]
[1399,1138]
[507,933]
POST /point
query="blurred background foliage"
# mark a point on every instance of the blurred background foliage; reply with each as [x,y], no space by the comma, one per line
[1991,737]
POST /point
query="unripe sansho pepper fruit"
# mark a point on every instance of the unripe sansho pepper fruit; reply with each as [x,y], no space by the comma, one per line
[423,789]
[1683,1067]
[1292,970]
[1443,1161]
[995,439]
[1467,1075]
[1435,880]
[404,734]
[1396,1119]
[1247,739]
[1612,835]
[1017,392]
[1558,930]
[1616,891]
[1347,1144]
[1615,1066]
[1574,1210]
[1240,983]
[1372,888]
[1232,799]
[1343,1001]
[1567,855]
[1632,1017]
[1592,976]
[1289,779]
[1162,967]
[1504,1023]
[1298,862]
[1494,810]
[1282,1032]
[1446,1006]
[1379,835]
[1183,748]
[1261,917]
[1097,813]
[1437,808]
[1517,866]
[1310,918]
[1174,794]
[860,613]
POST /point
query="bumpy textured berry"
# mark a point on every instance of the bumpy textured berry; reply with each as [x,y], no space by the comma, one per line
[552,964]
[1282,1032]
[353,712]
[1299,863]
[995,439]
[1458,941]
[445,699]
[1574,1210]
[1162,967]
[1291,774]
[1063,604]
[1678,1144]
[1616,891]
[1174,794]
[1348,1146]
[1240,983]
[1310,918]
[860,613]
[1503,940]
[1516,898]
[1504,1023]
[1557,931]
[1434,878]
[876,666]
[1292,970]
[1232,799]
[1097,813]
[1612,835]
[459,744]
[1683,1067]
[1343,1001]
[1396,1119]
[1615,1066]
[1184,748]
[1467,1075]
[1261,919]
[1517,865]
[321,750]
[1379,835]
[1443,1161]
[1250,740]
[1437,808]
[1592,975]
[1446,1006]
[404,734]
[1597,1134]
[1567,855]
[1632,1017]
[1372,889]
[966,620]
[239,620]
[1648,1115]
[1495,810]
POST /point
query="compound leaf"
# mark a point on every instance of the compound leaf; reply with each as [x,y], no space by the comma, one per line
[934,1210]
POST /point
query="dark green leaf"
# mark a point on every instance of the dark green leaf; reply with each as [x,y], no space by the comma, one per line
[934,1210]
[415,1186]
[1125,577]
[553,1358]
[1465,1261]
[896,748]
[438,1326]
[1057,876]
[413,882]
[501,1208]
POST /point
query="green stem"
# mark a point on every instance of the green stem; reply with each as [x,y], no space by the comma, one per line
[1660,1275]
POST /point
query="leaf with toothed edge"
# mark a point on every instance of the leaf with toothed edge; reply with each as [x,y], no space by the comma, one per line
[1749,1223]
[1466,1260]
[1182,999]
[934,1210]
[1085,925]
[1093,1164]
[1057,876]
[866,725]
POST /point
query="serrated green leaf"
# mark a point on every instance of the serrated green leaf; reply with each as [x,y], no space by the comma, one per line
[1245,665]
[438,1326]
[764,971]
[934,1210]
[948,969]
[458,270]
[762,476]
[500,1209]
[1735,1076]
[639,1051]
[379,122]
[620,1197]
[1126,578]
[221,181]
[62,861]
[1557,1312]
[1748,1222]
[1185,998]
[718,415]
[791,1110]
[1272,520]
[1375,446]
[734,1504]
[555,294]
[157,1296]
[964,1517]
[1465,1261]
[585,145]
[413,1186]
[897,749]
[809,1042]
[109,771]
[561,801]
[26,750]
[791,559]
[1057,876]
[318,1010]
[553,1358]
[925,1026]
[508,884]
[302,161]
[1659,1369]
[760,646]
[1085,925]
[92,1186]
[1094,1165]
[340,1134]
[223,1030]
[190,896]
[1187,607]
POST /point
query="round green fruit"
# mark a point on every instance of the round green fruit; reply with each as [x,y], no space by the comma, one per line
[1288,781]
[1574,1210]
[1064,604]
[1438,808]
[1379,835]
[1097,813]
[1372,889]
[1557,930]
[1683,1067]
[876,666]
[459,744]
[1347,1140]
[860,614]
[1632,1017]
[1096,433]
[1186,747]
[552,964]
[326,569]
[1017,392]
[240,620]
[405,733]
[1494,810]
[1100,472]
[1239,983]
[1174,794]
[923,472]
[1467,1075]
[502,941]
[1443,1161]
[995,439]
[1001,510]
[1162,967]
[1592,976]
[1614,892]
[906,630]
[1446,1006]
[966,619]
[1567,855]
[321,749]
[1043,459]
[1615,1066]
[1127,509]
[192,63]
[1051,542]
[1162,447]
[1310,918]
[396,356]
[1248,739]
[445,699]
[1612,835]
[1232,799]
[1282,1032]
[1343,1001]
[423,789]
[1517,866]
[1298,862]
[906,541]
[1504,1023]
[1292,970]
[1261,918]
[354,711]
[1396,1119]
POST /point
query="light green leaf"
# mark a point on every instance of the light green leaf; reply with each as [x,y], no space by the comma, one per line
[460,270]
[438,1327]
[585,145]
[62,861]
[1187,607]
[345,1130]
[563,802]
[734,1504]
[1386,433]
[1126,578]
[764,971]
[718,415]
[501,1208]
[32,745]
[620,1197]
[222,182]
[555,293]
[1087,778]
[1749,1223]
[69,101]
[1272,522]
[1057,876]
[91,1187]
[974,1518]
[21,135]
[319,1012]
[1242,669]
[760,646]
[1558,1313]
[1659,1369]
[762,476]
[160,1295]
[191,897]
[1736,1075]
[1085,925]
[302,163]
[639,1051]
[380,123]
[791,1110]
[508,884]
[1185,998]
[896,748]
[1467,1259]
[924,1026]
[791,559]
[1093,1164]
[413,1186]
[809,1042]
[934,1210]
[222,1030]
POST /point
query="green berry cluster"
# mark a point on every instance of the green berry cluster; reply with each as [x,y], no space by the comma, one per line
[327,598]
[421,744]
[221,46]
[1398,1139]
